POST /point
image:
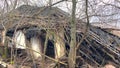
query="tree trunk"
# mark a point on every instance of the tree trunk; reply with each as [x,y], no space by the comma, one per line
[72,52]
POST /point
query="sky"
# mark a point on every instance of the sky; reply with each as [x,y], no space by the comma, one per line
[67,6]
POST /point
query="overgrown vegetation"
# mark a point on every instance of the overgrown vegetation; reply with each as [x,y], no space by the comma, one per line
[44,36]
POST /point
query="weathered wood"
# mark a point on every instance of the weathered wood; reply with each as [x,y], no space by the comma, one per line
[59,44]
[19,40]
[36,46]
[98,45]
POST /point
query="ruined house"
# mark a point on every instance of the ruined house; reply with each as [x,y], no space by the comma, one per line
[97,49]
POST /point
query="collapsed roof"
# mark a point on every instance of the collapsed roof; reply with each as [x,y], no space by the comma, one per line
[26,15]
[98,43]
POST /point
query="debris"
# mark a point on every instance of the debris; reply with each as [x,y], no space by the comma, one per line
[98,47]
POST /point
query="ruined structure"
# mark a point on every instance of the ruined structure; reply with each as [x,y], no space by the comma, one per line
[97,49]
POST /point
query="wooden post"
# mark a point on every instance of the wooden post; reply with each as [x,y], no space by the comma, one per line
[3,37]
[59,45]
[36,46]
[19,40]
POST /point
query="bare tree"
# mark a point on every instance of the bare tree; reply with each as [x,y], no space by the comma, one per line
[72,52]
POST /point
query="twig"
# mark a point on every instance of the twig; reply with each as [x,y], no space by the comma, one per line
[87,26]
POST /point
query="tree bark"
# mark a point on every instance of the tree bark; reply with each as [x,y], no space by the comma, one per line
[72,52]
